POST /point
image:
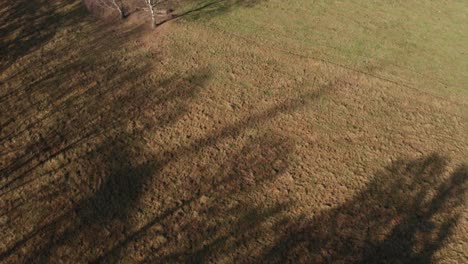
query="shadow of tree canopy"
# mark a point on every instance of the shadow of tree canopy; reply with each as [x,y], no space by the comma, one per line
[211,8]
[403,216]
[102,183]
[26,25]
[96,220]
[204,9]
[203,217]
[96,200]
[74,161]
[116,173]
[73,122]
[74,95]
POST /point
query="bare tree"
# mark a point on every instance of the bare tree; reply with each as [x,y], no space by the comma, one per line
[118,7]
[99,7]
[151,4]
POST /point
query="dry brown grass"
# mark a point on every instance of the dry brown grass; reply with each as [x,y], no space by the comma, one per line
[123,144]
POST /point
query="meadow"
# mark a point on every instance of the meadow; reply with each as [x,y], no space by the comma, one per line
[237,131]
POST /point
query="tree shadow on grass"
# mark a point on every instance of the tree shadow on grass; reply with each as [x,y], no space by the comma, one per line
[97,147]
[115,156]
[113,199]
[206,9]
[216,207]
[73,125]
[75,165]
[26,25]
[90,85]
[95,221]
[404,215]
[261,161]
[213,8]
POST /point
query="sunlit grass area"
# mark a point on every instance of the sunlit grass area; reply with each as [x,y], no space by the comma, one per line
[422,44]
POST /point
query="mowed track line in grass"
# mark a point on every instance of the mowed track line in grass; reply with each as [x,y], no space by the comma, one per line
[206,146]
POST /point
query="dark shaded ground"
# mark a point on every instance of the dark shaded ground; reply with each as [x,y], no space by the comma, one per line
[74,118]
[204,9]
[403,216]
[26,25]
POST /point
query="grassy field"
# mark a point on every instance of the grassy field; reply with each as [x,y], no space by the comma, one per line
[415,43]
[239,132]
